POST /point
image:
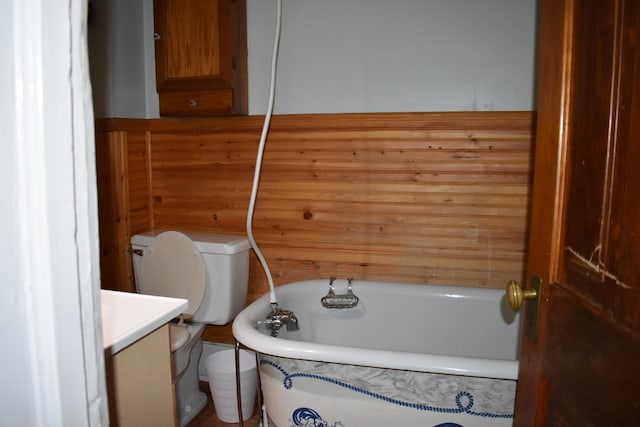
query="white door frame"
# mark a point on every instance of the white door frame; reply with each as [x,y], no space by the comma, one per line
[52,363]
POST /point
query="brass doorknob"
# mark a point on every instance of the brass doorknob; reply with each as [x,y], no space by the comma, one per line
[516,295]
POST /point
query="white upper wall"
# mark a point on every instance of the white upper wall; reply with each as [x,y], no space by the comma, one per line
[358,56]
[122,86]
[402,55]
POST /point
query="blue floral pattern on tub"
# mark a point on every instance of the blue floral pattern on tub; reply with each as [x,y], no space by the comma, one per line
[417,390]
[307,417]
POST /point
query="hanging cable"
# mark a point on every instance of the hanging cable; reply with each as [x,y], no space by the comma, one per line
[263,137]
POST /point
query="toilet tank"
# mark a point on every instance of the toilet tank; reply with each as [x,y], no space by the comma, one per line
[226,261]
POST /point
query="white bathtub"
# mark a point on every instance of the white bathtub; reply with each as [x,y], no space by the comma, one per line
[406,355]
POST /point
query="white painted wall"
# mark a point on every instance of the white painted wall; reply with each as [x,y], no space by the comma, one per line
[51,364]
[403,55]
[123,85]
[348,56]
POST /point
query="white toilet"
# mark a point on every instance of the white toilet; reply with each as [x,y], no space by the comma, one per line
[211,271]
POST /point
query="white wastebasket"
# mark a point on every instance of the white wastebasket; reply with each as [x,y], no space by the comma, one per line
[221,370]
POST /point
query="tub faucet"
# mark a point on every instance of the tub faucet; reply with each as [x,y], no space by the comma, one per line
[279,317]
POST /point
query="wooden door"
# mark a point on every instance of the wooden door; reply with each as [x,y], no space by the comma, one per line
[583,368]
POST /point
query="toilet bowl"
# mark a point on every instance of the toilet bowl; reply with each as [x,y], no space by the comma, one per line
[180,335]
[186,347]
[211,271]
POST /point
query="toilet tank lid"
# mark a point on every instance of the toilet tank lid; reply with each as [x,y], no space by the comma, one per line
[207,242]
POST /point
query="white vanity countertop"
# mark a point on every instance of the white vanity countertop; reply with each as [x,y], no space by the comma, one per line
[127,317]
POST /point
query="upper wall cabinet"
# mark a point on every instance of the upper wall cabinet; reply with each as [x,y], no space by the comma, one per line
[201,57]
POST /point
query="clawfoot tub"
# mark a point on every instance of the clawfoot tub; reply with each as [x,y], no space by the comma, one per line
[400,355]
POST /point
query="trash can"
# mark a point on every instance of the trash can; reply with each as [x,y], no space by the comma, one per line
[221,370]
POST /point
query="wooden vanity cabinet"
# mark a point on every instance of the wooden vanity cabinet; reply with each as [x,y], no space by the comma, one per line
[140,383]
[201,57]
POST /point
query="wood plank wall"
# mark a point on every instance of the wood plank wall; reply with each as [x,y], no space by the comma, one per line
[419,198]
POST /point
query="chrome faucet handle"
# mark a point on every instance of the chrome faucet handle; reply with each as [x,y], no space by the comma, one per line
[279,317]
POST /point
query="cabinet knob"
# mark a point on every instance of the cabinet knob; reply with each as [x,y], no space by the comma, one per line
[156,36]
[193,103]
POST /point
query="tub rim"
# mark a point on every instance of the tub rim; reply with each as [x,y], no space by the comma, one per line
[246,334]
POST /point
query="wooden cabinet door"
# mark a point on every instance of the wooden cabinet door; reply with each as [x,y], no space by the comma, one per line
[582,368]
[200,52]
[140,383]
[193,46]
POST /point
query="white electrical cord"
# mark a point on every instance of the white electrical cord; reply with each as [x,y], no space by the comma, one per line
[263,138]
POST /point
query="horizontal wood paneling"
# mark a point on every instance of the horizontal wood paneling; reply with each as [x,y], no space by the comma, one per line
[420,198]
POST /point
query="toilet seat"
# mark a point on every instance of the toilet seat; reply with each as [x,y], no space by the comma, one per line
[172,266]
[179,335]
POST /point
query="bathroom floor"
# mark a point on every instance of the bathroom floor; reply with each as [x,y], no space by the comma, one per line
[207,418]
